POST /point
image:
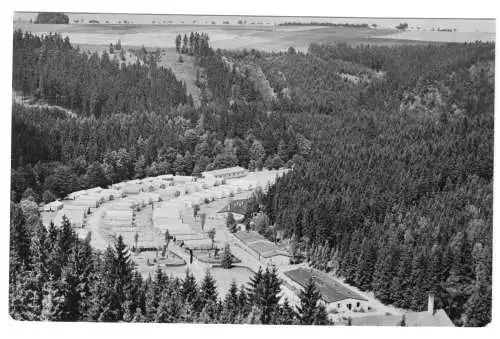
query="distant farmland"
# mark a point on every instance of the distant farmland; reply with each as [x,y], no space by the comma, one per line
[221,36]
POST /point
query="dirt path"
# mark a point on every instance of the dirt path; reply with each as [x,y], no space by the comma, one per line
[93,223]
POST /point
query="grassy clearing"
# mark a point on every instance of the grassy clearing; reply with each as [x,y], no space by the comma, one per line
[184,71]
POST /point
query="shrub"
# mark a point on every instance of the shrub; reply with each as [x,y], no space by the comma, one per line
[227,258]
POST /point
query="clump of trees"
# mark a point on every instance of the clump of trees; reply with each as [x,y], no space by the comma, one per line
[402,26]
[52,18]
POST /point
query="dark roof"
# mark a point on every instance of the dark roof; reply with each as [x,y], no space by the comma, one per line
[412,319]
[331,291]
[249,237]
[261,245]
[236,206]
[267,249]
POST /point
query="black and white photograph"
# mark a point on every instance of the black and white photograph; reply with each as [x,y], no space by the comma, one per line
[251,169]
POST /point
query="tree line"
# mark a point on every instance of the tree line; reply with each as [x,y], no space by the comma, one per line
[54,276]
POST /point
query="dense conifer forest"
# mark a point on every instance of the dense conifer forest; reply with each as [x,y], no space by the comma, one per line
[391,188]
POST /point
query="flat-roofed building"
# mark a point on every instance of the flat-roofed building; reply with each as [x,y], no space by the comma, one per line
[75,217]
[429,318]
[333,295]
[262,249]
[225,173]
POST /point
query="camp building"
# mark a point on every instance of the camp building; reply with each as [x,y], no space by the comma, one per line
[334,296]
[225,173]
[261,248]
[431,317]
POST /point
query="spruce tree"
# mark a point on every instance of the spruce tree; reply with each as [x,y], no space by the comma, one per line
[138,316]
[189,288]
[309,310]
[19,238]
[208,290]
[264,293]
[231,304]
[286,314]
[227,257]
[243,303]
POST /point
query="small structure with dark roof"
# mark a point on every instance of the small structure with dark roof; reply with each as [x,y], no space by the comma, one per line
[261,248]
[333,295]
[429,318]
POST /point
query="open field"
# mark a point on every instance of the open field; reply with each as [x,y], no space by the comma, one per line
[435,36]
[266,38]
[184,71]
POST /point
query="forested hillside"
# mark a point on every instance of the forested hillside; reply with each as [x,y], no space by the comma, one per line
[397,197]
[156,133]
[50,68]
[391,188]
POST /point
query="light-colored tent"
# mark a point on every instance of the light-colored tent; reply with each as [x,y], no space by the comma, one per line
[118,186]
[149,197]
[90,201]
[81,204]
[148,187]
[166,212]
[111,194]
[158,184]
[53,206]
[75,217]
[183,178]
[136,201]
[167,220]
[74,195]
[194,186]
[204,243]
[192,236]
[119,214]
[166,177]
[123,205]
[99,197]
[220,193]
[94,190]
[117,217]
[169,192]
[175,229]
[172,203]
[83,208]
[132,189]
[235,188]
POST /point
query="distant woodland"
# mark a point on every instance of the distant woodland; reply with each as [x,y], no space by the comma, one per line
[52,18]
[391,150]
[329,24]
